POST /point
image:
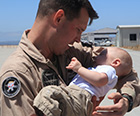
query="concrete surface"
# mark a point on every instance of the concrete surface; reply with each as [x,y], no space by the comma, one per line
[6,51]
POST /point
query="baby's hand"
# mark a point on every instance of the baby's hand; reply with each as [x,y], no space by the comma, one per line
[74,64]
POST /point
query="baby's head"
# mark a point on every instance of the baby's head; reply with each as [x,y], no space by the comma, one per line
[117,58]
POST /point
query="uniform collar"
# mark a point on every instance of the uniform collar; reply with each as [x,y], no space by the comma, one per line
[30,49]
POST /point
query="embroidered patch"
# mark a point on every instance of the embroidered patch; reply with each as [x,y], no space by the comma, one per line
[49,77]
[11,87]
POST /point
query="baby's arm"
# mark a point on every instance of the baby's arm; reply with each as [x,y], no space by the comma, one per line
[75,65]
[93,77]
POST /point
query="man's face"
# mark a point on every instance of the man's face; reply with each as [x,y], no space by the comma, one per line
[70,32]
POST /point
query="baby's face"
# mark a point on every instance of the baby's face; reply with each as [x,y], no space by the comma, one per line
[104,58]
[101,59]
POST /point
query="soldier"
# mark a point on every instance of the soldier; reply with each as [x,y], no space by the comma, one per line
[34,64]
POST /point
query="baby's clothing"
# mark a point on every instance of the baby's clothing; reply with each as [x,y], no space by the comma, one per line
[97,91]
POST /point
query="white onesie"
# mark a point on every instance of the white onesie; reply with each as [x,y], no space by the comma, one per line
[98,91]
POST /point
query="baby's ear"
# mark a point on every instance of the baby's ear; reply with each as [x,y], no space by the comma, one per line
[116,62]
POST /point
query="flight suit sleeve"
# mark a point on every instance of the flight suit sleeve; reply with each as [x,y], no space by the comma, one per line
[93,51]
[86,55]
[130,85]
[16,94]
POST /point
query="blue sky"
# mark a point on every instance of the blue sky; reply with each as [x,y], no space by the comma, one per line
[19,15]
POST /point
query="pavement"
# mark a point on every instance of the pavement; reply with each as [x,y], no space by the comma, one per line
[6,51]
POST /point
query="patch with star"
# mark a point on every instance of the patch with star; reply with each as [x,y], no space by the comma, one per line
[11,87]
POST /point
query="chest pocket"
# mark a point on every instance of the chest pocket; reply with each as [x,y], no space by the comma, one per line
[49,77]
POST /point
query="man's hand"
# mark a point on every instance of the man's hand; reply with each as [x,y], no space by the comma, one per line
[119,108]
[95,102]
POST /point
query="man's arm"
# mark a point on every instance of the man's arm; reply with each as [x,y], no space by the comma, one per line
[16,99]
[130,85]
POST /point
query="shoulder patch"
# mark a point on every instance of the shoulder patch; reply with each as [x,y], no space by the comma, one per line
[11,87]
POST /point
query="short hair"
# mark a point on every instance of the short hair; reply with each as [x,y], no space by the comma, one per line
[126,61]
[71,8]
[124,56]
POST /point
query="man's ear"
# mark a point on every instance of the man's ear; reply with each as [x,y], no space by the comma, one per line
[116,62]
[58,17]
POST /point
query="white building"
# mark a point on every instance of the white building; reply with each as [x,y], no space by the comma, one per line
[128,35]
